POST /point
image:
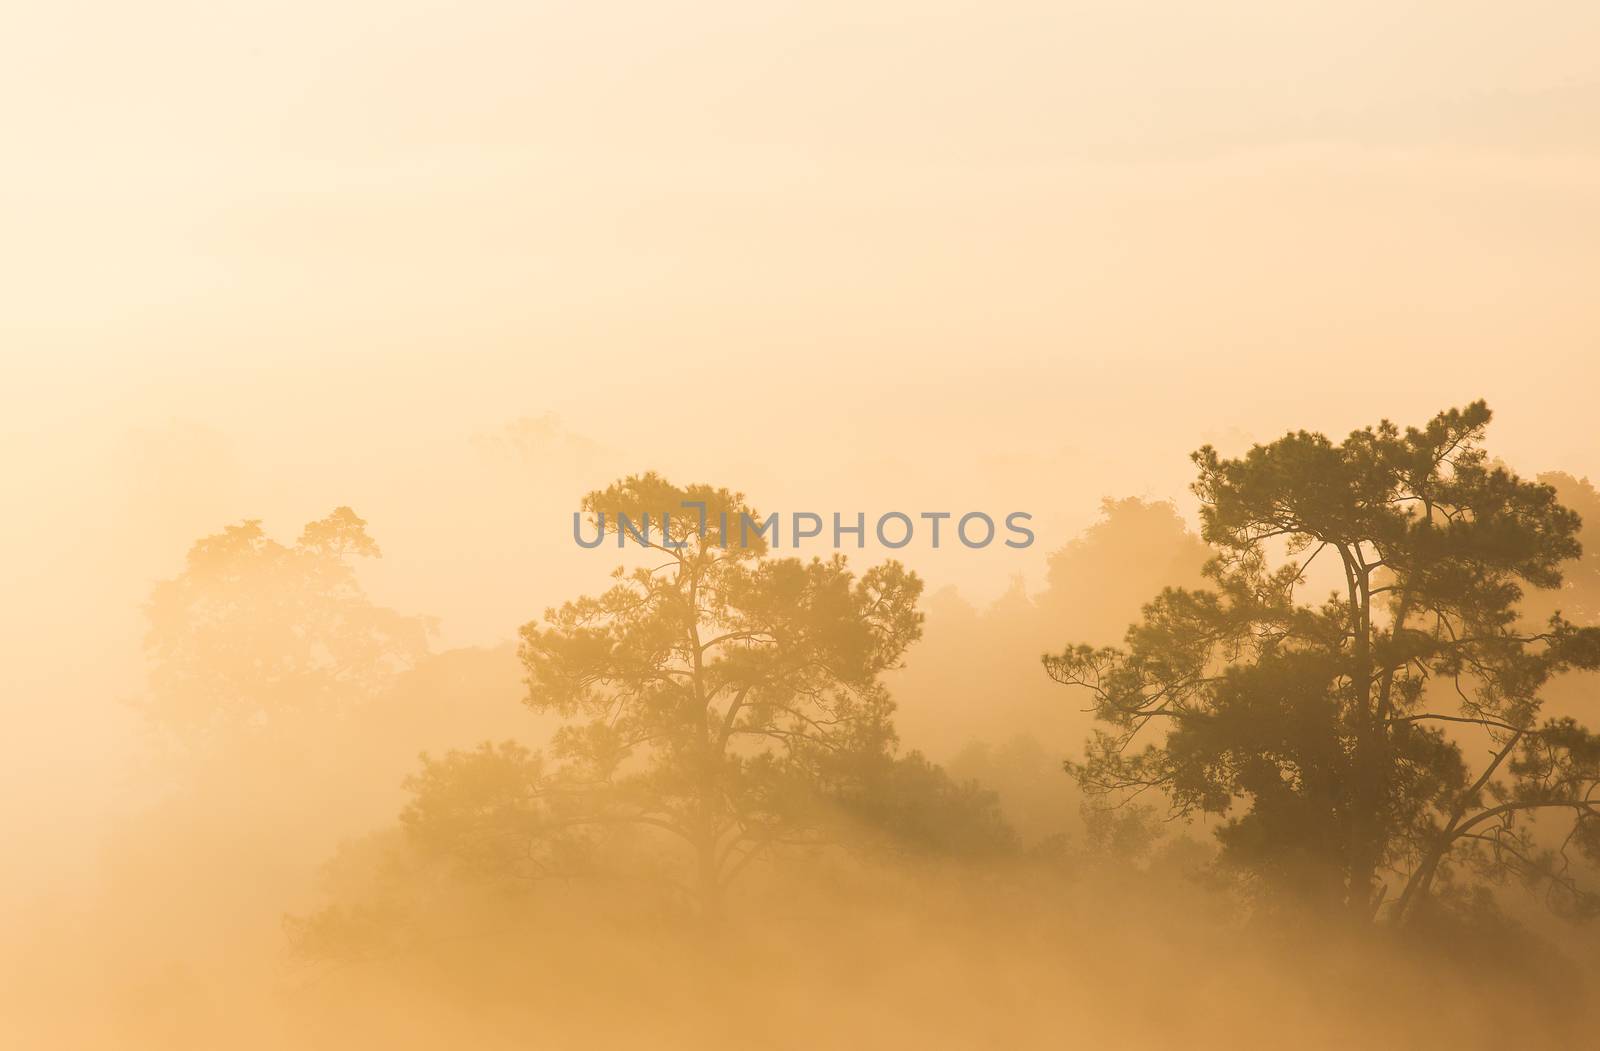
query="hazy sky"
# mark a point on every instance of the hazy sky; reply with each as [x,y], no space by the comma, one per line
[919,255]
[261,260]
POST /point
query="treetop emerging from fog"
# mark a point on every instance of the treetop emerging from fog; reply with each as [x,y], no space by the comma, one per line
[1319,731]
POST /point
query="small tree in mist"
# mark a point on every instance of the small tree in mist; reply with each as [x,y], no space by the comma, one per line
[254,636]
[713,699]
[1335,738]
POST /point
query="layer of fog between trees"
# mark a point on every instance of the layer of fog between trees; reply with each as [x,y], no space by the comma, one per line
[349,836]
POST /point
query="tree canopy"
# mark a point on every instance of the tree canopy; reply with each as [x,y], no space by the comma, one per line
[254,634]
[712,698]
[1332,737]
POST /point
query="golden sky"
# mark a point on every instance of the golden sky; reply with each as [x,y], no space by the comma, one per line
[261,260]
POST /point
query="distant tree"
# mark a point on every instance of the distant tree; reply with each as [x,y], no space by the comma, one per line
[255,635]
[910,806]
[975,675]
[717,698]
[1330,736]
[1097,582]
[1578,597]
[1026,776]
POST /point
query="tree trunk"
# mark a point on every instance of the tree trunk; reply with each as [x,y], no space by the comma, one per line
[1366,790]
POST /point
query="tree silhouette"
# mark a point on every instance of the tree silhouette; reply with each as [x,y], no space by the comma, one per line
[1330,736]
[711,699]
